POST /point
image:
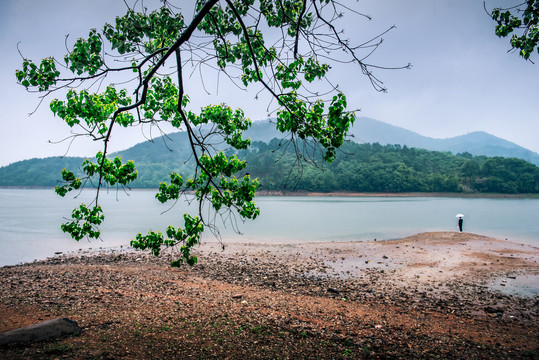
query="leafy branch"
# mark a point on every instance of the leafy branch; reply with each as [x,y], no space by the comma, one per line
[524,17]
[224,36]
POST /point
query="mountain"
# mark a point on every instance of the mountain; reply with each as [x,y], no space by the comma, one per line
[368,167]
[367,130]
[157,158]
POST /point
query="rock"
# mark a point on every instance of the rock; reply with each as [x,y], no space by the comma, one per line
[237,296]
[493,310]
[42,331]
[334,291]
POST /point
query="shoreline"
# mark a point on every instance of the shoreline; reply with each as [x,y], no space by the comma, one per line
[121,249]
[343,193]
[425,251]
[405,194]
[437,294]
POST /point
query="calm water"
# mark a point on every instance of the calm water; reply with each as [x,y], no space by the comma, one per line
[30,220]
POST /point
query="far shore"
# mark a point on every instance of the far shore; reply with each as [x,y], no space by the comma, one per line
[345,193]
[403,194]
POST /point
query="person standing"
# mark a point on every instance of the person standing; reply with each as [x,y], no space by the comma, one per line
[460,223]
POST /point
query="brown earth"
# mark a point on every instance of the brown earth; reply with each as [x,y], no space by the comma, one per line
[432,295]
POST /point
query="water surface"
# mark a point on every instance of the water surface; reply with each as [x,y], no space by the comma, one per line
[30,220]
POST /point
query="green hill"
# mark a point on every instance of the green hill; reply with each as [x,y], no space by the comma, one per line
[367,130]
[392,168]
[357,168]
[36,172]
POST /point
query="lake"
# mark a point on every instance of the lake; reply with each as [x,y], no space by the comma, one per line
[30,220]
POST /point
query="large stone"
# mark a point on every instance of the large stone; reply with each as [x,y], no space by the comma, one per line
[42,331]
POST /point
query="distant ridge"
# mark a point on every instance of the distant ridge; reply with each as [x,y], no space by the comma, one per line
[171,152]
[368,167]
[367,130]
[476,143]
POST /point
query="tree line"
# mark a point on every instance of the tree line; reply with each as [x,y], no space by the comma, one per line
[356,168]
[393,169]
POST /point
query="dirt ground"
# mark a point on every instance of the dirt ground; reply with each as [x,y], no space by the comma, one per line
[441,295]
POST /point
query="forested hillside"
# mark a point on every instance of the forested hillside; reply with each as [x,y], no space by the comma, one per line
[366,130]
[392,168]
[357,168]
[37,172]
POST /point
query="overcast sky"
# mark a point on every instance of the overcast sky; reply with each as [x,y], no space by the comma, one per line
[462,79]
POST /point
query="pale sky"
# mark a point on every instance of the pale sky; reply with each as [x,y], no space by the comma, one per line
[462,79]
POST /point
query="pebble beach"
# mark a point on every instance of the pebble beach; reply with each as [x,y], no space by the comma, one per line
[432,295]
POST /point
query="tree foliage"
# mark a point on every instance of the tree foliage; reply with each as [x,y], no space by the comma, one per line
[523,17]
[149,51]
